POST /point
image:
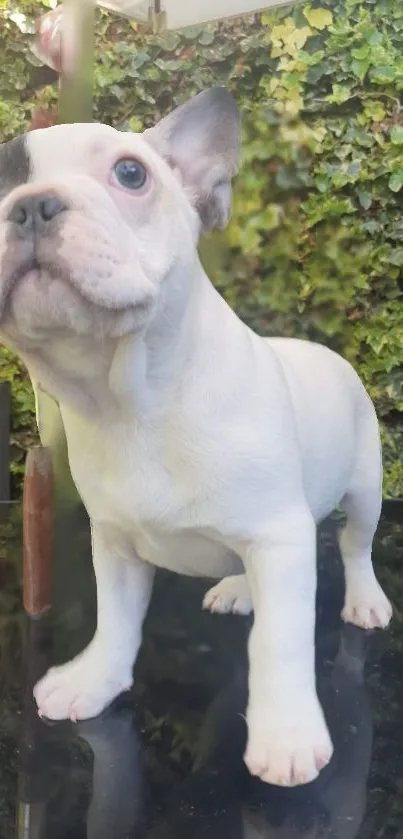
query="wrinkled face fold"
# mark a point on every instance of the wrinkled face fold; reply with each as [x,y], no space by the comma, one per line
[94,221]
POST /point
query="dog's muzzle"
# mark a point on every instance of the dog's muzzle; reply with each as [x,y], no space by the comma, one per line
[31,219]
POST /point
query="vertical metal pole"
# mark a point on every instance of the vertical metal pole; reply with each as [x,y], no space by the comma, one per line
[76,92]
[34,764]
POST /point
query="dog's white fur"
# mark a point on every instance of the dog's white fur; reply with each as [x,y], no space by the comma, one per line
[195,444]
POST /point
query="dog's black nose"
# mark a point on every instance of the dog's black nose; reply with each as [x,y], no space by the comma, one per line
[35,212]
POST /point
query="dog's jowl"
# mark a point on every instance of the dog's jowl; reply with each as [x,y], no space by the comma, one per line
[195,444]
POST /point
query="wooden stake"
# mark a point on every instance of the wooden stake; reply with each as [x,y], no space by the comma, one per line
[37,510]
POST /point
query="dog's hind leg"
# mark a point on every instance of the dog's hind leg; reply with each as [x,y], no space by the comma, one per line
[365,603]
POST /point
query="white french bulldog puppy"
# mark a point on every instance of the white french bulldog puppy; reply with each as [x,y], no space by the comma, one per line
[196,445]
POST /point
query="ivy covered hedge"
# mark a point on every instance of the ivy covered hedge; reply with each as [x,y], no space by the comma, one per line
[315,247]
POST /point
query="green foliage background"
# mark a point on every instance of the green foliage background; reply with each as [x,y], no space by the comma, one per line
[315,247]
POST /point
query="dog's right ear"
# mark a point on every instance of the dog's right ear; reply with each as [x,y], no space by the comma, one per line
[201,142]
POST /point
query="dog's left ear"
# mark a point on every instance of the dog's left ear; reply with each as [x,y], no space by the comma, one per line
[201,141]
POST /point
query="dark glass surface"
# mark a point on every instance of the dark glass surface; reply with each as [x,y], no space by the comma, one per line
[166,759]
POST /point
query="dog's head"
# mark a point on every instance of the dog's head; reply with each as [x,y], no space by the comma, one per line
[94,223]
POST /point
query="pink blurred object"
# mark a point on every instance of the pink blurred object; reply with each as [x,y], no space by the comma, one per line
[56,36]
[48,41]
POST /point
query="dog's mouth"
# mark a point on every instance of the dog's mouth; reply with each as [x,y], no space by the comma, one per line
[41,297]
[11,278]
[33,271]
[26,269]
[30,269]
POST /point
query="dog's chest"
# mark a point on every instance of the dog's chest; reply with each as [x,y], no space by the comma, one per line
[121,472]
[138,485]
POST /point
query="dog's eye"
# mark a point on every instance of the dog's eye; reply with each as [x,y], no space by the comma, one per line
[130,173]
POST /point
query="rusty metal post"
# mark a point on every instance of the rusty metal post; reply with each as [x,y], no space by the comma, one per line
[37,507]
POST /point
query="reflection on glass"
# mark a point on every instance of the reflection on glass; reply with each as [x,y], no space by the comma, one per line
[218,797]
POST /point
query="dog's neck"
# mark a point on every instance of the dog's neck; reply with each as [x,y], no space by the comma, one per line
[134,374]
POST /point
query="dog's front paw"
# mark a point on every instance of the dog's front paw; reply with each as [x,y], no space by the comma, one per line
[366,605]
[82,688]
[287,751]
[230,595]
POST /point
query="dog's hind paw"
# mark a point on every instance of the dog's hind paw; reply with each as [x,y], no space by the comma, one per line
[230,595]
[366,605]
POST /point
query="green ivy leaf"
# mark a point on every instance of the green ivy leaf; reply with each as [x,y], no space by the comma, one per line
[362,52]
[207,37]
[360,68]
[365,198]
[375,110]
[396,181]
[318,18]
[340,93]
[396,135]
[396,257]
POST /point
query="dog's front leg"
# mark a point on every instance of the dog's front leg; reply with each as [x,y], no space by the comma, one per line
[288,741]
[83,687]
